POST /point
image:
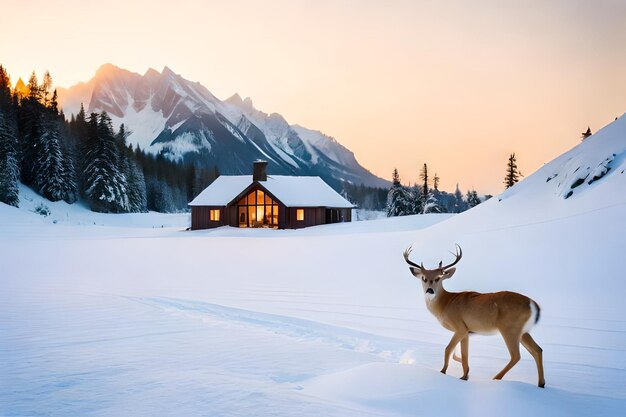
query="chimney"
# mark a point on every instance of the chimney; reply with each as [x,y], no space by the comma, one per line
[259,170]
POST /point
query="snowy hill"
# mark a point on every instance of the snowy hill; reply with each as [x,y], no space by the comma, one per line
[102,320]
[182,119]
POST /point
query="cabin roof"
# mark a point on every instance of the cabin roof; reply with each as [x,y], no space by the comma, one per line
[291,191]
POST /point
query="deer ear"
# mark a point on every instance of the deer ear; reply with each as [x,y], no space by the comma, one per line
[416,272]
[448,273]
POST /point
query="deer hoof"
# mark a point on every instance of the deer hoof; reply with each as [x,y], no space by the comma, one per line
[443,371]
[464,377]
[542,385]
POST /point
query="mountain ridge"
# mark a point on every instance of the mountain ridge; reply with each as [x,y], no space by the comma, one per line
[181,119]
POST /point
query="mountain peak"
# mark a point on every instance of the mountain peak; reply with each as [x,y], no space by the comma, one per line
[107,69]
[167,71]
[234,99]
[248,102]
[151,73]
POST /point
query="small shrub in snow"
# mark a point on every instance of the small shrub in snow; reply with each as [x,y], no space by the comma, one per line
[42,209]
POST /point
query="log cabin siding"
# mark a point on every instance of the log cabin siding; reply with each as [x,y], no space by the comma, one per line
[287,216]
[200,217]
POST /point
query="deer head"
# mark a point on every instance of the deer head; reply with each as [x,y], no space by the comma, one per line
[432,279]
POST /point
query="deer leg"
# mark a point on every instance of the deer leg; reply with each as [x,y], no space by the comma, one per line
[455,356]
[512,341]
[456,338]
[465,357]
[536,352]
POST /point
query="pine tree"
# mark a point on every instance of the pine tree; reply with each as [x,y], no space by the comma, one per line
[416,199]
[136,184]
[512,173]
[137,198]
[54,104]
[9,165]
[436,182]
[105,185]
[30,123]
[9,168]
[459,205]
[587,133]
[395,178]
[34,90]
[45,87]
[398,199]
[428,202]
[472,198]
[424,178]
[51,179]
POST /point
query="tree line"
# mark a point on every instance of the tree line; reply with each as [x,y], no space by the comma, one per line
[426,197]
[84,157]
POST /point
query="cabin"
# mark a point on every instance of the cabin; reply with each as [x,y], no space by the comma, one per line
[269,201]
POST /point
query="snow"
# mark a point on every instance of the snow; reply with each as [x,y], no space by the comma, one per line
[183,144]
[144,126]
[127,319]
[290,190]
[316,141]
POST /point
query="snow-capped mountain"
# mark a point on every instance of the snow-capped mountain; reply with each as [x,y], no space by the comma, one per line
[183,120]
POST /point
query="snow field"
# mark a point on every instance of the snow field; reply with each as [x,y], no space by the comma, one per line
[124,318]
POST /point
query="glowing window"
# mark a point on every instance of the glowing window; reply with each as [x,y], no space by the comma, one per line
[299,215]
[214,215]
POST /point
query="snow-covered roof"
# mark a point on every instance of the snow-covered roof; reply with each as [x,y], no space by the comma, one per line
[291,191]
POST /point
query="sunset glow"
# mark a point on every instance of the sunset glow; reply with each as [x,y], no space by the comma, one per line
[458,85]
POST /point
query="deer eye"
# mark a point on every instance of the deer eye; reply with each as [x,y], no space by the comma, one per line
[437,280]
[423,279]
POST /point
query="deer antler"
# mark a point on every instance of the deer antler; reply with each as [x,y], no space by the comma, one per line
[458,255]
[406,254]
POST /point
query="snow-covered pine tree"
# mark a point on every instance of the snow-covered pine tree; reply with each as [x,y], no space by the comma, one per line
[69,177]
[428,203]
[105,185]
[9,168]
[137,199]
[415,196]
[398,199]
[54,177]
[136,184]
[472,198]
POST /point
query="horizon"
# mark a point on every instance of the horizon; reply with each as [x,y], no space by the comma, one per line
[511,79]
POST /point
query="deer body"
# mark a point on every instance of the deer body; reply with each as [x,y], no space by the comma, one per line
[511,314]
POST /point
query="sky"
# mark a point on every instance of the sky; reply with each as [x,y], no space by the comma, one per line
[458,85]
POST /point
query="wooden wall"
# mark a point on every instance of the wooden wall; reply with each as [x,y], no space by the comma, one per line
[200,217]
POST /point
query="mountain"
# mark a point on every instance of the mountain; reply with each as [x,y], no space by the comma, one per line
[184,121]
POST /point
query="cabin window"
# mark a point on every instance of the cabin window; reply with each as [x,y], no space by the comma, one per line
[257,209]
[214,215]
[299,215]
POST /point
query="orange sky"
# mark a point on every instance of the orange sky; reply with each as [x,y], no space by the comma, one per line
[456,84]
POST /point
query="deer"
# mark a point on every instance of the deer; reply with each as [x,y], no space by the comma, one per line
[511,314]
